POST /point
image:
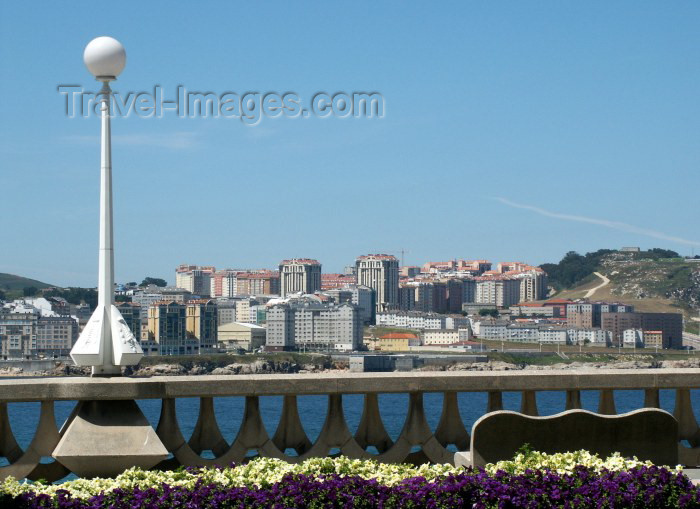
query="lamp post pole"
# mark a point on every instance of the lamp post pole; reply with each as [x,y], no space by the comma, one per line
[106,343]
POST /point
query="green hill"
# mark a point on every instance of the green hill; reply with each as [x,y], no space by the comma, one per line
[655,280]
[10,282]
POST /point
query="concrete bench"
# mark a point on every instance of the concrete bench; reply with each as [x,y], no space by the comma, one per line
[649,434]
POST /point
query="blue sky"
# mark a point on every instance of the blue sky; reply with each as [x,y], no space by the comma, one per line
[512,130]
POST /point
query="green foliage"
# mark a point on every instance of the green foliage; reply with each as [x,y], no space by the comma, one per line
[2,295]
[154,281]
[656,254]
[12,282]
[573,267]
[489,312]
[75,295]
[30,291]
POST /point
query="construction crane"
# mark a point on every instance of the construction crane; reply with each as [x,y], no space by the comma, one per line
[396,251]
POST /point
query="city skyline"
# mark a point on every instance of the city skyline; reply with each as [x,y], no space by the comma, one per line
[510,132]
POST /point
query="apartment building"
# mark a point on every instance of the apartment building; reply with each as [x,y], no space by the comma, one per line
[493,329]
[194,279]
[498,291]
[653,339]
[525,309]
[18,334]
[590,337]
[430,296]
[669,324]
[226,311]
[56,335]
[201,323]
[263,282]
[150,295]
[412,320]
[333,281]
[381,273]
[361,296]
[132,316]
[167,329]
[299,275]
[307,323]
[224,283]
[553,336]
[440,337]
[397,342]
[407,297]
[633,338]
[588,314]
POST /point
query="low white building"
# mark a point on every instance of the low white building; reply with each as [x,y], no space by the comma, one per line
[248,336]
[465,334]
[553,336]
[440,336]
[524,333]
[590,337]
[633,338]
[493,330]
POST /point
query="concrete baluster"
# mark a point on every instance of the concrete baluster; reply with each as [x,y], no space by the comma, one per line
[335,434]
[371,430]
[206,434]
[290,432]
[687,424]
[606,402]
[495,401]
[573,399]
[451,429]
[651,398]
[528,403]
[27,463]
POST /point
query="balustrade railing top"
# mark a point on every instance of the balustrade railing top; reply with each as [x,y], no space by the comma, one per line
[83,388]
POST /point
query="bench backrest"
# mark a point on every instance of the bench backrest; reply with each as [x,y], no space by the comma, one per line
[648,434]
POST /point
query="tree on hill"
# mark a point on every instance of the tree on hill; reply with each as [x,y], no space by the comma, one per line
[656,253]
[154,281]
[2,295]
[29,291]
[75,295]
[573,267]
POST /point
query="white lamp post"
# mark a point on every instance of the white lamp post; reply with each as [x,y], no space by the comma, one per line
[106,342]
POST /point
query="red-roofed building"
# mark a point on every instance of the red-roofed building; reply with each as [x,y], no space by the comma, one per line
[331,281]
[397,342]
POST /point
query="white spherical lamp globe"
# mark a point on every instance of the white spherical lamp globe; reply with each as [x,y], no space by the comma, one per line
[104,57]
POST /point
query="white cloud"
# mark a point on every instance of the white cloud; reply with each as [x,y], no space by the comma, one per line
[615,225]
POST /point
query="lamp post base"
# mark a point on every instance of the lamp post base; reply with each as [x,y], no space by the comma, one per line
[106,371]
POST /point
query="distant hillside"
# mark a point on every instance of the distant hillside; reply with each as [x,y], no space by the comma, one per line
[11,282]
[655,280]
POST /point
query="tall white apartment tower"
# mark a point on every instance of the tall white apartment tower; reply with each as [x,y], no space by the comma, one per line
[381,273]
[299,275]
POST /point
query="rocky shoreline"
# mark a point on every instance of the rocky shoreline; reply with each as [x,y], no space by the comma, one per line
[325,364]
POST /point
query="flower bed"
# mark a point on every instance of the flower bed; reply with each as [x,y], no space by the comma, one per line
[530,480]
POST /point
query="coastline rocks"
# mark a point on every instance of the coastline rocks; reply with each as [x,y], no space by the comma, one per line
[161,370]
[685,363]
[11,371]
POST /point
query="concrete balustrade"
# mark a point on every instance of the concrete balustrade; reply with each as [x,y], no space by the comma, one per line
[416,442]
